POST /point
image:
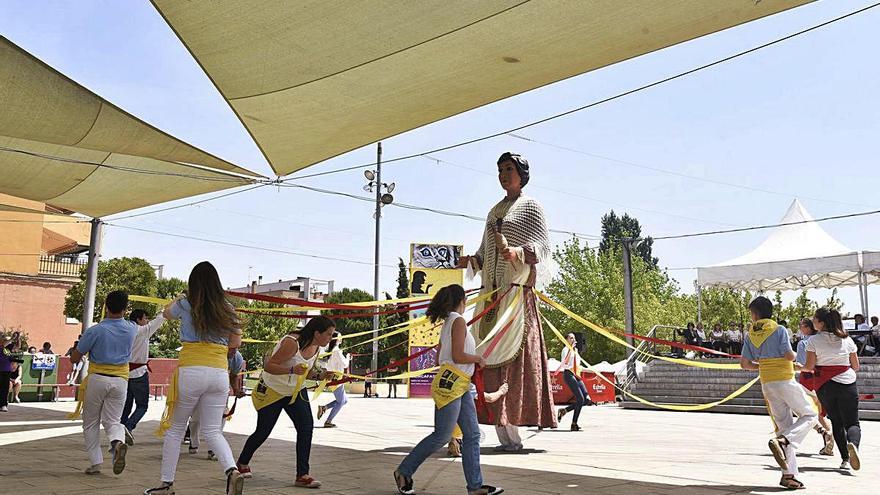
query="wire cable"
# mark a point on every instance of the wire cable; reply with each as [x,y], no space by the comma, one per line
[193,203]
[248,246]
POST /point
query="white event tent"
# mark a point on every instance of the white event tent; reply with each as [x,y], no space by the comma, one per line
[798,254]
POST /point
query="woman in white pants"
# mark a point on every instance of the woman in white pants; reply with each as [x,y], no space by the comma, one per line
[208,328]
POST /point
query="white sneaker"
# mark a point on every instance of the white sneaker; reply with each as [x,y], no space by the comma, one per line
[94,469]
[129,438]
[4,409]
[844,465]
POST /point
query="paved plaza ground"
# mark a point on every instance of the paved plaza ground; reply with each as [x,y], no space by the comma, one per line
[619,452]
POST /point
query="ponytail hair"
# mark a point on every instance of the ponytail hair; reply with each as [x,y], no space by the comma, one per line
[832,322]
[444,301]
[318,324]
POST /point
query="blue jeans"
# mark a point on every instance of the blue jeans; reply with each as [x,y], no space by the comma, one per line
[577,387]
[464,412]
[138,394]
[337,404]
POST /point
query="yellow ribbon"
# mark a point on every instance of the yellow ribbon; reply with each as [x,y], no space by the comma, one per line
[117,370]
[192,354]
[670,407]
[448,385]
[323,385]
[611,336]
[408,374]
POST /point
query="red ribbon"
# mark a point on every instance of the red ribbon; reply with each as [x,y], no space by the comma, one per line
[481,393]
[427,349]
[680,345]
[316,304]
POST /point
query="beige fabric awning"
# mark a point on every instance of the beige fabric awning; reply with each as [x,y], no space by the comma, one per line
[312,79]
[63,145]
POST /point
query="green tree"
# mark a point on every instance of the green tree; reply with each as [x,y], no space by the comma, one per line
[626,227]
[134,275]
[802,307]
[402,280]
[590,283]
[833,301]
[720,305]
[348,326]
[262,327]
[166,341]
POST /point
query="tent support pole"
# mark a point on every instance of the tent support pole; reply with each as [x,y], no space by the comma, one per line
[699,302]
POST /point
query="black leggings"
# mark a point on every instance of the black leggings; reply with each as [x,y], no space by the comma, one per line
[300,412]
[841,403]
[5,377]
[577,387]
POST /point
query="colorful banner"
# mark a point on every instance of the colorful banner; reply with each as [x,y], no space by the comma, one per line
[431,267]
[420,386]
[600,390]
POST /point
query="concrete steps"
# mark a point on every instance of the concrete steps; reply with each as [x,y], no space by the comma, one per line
[669,383]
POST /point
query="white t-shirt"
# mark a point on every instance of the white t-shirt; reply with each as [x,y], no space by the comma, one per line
[470,345]
[831,350]
[734,335]
[569,359]
[140,349]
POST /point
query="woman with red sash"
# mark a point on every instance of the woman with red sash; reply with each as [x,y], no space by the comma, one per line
[805,378]
[832,356]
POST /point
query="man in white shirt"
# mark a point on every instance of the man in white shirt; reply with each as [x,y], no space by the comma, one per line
[138,376]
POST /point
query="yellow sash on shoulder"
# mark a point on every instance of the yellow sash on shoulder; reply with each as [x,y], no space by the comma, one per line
[118,370]
[192,354]
[775,370]
[449,384]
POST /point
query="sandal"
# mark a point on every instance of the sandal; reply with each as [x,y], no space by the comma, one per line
[829,444]
[789,482]
[776,448]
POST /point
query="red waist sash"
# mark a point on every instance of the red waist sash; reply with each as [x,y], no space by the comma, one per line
[821,376]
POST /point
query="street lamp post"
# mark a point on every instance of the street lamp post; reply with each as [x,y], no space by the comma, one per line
[382,198]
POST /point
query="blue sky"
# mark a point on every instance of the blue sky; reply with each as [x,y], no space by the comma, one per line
[800,118]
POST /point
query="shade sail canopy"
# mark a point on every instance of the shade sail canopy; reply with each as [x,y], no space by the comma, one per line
[795,256]
[315,78]
[64,145]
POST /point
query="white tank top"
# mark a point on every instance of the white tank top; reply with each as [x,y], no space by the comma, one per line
[284,384]
[470,345]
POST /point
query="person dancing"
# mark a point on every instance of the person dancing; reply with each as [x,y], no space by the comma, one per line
[806,379]
[514,253]
[768,350]
[209,327]
[138,393]
[108,345]
[571,374]
[453,396]
[833,355]
[235,362]
[281,389]
[337,363]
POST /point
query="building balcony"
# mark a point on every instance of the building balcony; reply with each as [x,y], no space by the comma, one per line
[65,266]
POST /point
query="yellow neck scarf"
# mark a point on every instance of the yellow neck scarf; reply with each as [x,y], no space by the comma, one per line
[761,330]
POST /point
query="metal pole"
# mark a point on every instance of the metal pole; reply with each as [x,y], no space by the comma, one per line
[628,308]
[92,272]
[863,282]
[375,361]
[699,302]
